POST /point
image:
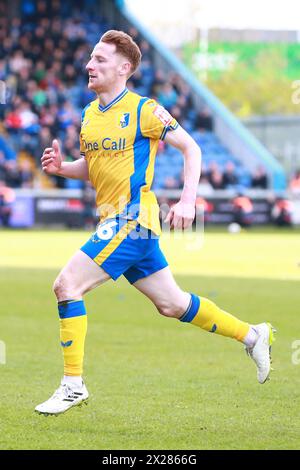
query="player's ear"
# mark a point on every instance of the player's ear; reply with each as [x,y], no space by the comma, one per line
[125,68]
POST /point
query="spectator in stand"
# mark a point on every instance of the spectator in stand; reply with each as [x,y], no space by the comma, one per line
[213,166]
[204,120]
[294,185]
[26,174]
[176,112]
[3,169]
[49,119]
[67,115]
[29,120]
[259,178]
[17,61]
[13,120]
[215,176]
[136,81]
[282,213]
[7,197]
[182,104]
[230,179]
[183,91]
[159,80]
[167,96]
[133,32]
[45,139]
[13,177]
[204,186]
[242,210]
[204,171]
[204,207]
[9,153]
[145,50]
[216,180]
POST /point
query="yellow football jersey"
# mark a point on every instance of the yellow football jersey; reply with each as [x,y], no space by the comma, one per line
[119,142]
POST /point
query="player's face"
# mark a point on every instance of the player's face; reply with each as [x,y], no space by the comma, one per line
[105,68]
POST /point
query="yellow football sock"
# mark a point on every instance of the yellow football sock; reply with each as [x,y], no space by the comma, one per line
[206,314]
[73,328]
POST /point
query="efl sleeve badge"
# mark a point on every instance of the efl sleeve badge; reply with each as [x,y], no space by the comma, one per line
[163,115]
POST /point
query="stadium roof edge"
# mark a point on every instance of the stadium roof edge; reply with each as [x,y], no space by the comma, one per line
[246,137]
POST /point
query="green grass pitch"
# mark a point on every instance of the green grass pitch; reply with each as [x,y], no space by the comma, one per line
[154,383]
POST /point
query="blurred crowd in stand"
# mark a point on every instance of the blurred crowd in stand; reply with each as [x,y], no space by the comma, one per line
[43,52]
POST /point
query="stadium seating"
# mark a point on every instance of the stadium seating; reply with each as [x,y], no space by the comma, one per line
[44,68]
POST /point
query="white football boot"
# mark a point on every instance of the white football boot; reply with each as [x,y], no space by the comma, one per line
[64,398]
[261,351]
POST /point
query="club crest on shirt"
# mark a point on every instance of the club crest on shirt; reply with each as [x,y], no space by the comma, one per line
[123,120]
[163,115]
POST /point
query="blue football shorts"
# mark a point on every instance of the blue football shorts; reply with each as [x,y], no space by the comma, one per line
[122,246]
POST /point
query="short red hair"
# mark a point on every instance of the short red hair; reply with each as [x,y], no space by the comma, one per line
[125,46]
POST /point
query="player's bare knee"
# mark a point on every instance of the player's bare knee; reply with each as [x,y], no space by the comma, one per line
[63,289]
[169,310]
[58,287]
[175,305]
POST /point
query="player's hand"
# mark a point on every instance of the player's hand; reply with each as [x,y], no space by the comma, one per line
[52,159]
[181,216]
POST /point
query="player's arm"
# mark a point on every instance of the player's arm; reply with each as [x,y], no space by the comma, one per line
[182,214]
[53,164]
